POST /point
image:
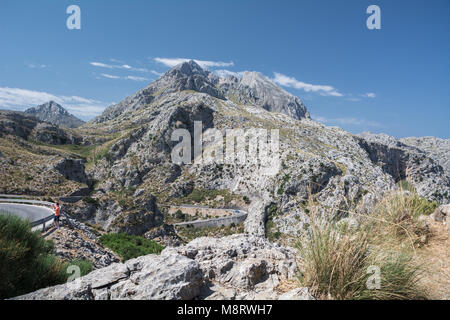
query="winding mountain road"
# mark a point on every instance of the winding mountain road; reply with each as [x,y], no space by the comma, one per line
[237,216]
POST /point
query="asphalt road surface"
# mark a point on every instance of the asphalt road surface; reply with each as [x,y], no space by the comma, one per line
[32,213]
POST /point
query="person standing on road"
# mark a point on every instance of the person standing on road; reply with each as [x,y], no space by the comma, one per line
[57,211]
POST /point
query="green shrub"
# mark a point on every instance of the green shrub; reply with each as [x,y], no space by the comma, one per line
[202,195]
[405,185]
[180,215]
[270,228]
[26,260]
[90,200]
[130,246]
[84,265]
[188,233]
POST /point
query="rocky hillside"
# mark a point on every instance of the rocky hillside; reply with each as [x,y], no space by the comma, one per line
[437,148]
[121,163]
[343,170]
[234,267]
[76,242]
[35,157]
[252,89]
[125,155]
[55,114]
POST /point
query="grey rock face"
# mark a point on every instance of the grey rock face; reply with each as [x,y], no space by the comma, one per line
[297,294]
[441,214]
[164,277]
[27,126]
[422,168]
[113,216]
[241,266]
[436,148]
[78,243]
[165,234]
[238,267]
[254,88]
[55,114]
[72,169]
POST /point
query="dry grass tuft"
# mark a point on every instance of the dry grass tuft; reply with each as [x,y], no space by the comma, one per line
[339,262]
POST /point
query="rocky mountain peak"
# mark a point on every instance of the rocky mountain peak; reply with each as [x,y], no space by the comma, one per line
[50,106]
[255,88]
[54,113]
[188,68]
[252,89]
[255,79]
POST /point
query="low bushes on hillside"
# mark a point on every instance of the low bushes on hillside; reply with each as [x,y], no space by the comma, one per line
[189,233]
[129,246]
[26,260]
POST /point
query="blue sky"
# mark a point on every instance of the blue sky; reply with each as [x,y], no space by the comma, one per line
[394,80]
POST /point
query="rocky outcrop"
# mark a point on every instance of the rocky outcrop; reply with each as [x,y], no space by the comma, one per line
[241,266]
[140,221]
[234,267]
[165,235]
[165,277]
[297,294]
[26,126]
[421,168]
[254,88]
[113,214]
[53,113]
[72,169]
[436,148]
[79,243]
[442,215]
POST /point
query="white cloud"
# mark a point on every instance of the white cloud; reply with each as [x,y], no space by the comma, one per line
[369,95]
[36,66]
[116,61]
[109,76]
[102,65]
[347,121]
[290,82]
[172,62]
[225,73]
[21,99]
[136,78]
[156,73]
[117,66]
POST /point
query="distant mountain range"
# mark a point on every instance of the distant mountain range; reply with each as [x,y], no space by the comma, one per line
[55,114]
[129,147]
[122,163]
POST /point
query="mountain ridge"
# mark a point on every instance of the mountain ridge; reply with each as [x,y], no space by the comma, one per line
[127,155]
[54,113]
[251,89]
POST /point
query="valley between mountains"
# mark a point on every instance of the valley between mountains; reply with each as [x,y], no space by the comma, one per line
[115,174]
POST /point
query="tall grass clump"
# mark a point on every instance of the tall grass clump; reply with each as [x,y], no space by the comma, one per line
[26,260]
[395,219]
[339,262]
[130,246]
